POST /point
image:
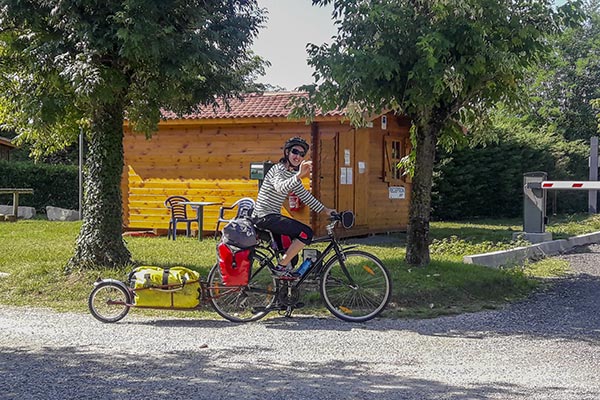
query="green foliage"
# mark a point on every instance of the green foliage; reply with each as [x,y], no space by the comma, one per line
[61,59]
[568,225]
[70,65]
[561,88]
[439,63]
[456,246]
[54,185]
[487,180]
[431,59]
[596,104]
[547,268]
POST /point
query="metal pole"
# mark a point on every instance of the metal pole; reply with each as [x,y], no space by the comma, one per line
[80,173]
[593,194]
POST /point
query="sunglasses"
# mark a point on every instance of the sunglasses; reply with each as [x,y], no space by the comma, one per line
[298,152]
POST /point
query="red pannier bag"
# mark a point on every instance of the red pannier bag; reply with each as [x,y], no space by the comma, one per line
[234,264]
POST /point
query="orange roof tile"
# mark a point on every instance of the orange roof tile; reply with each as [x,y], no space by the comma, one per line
[265,105]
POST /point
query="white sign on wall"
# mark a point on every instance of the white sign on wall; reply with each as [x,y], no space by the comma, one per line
[362,167]
[345,176]
[347,157]
[397,192]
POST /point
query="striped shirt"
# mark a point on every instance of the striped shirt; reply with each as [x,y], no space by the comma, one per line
[275,188]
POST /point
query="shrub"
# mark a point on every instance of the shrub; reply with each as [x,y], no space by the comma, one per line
[56,185]
[487,180]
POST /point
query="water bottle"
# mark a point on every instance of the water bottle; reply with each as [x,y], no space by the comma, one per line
[304,267]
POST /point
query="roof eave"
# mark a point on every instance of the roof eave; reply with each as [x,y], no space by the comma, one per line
[244,121]
[7,142]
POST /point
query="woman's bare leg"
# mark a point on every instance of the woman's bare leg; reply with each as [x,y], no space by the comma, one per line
[292,251]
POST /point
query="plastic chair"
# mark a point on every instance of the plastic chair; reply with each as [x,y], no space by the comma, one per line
[244,209]
[178,214]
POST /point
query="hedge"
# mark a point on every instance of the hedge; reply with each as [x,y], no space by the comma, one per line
[488,181]
[53,185]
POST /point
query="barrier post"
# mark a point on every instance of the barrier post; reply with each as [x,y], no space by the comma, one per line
[593,194]
[534,208]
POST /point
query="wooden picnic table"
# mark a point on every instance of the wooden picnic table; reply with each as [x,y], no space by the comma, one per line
[16,192]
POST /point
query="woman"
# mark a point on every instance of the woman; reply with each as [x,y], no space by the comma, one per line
[283,178]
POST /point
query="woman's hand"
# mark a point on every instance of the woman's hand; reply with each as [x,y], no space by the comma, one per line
[304,170]
[329,211]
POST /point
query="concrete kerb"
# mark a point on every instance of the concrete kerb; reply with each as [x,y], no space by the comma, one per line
[520,255]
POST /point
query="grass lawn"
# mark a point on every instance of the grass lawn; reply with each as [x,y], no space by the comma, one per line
[35,252]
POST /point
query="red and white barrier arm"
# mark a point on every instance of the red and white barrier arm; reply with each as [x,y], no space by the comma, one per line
[571,185]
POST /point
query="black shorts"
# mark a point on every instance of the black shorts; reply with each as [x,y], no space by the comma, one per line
[282,225]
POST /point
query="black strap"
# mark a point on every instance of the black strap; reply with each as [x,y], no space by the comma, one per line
[165,279]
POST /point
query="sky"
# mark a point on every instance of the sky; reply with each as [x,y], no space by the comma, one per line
[291,25]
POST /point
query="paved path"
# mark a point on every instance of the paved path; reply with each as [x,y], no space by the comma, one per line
[547,347]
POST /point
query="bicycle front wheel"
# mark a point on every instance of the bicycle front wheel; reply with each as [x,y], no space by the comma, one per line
[244,303]
[356,289]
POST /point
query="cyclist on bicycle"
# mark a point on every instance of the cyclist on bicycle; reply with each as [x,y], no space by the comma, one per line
[283,178]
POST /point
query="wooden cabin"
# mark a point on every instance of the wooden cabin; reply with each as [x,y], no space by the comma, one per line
[207,157]
[5,148]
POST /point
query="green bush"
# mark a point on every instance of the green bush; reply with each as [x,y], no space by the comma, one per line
[487,180]
[53,185]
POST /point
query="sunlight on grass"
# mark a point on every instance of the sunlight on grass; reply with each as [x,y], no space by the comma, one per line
[547,268]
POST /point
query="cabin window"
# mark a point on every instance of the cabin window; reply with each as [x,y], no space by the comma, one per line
[394,151]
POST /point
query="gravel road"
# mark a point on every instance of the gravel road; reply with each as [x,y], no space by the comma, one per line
[547,347]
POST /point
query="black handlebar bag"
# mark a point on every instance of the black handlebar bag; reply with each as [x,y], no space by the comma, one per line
[240,233]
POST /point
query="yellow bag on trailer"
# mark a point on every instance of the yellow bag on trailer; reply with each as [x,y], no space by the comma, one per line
[176,287]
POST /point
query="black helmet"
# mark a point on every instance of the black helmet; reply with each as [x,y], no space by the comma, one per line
[296,141]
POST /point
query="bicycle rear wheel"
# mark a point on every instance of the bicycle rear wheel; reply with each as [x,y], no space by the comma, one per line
[108,302]
[244,303]
[361,298]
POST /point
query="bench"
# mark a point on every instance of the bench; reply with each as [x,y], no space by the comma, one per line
[16,193]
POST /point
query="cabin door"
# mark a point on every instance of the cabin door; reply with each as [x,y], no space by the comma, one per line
[352,181]
[345,171]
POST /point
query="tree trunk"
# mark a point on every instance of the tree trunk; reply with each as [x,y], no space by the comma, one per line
[100,241]
[417,247]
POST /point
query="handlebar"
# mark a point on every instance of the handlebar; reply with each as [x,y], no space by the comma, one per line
[345,217]
[334,216]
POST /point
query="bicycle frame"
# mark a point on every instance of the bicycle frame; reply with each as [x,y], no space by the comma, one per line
[318,265]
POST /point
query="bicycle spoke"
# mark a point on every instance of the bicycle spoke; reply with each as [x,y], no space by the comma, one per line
[108,302]
[366,296]
[242,303]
